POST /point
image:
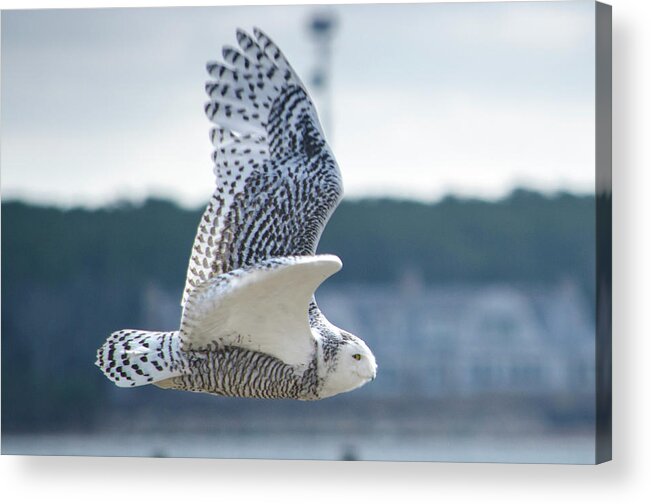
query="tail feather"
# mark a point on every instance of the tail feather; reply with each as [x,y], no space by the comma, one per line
[130,358]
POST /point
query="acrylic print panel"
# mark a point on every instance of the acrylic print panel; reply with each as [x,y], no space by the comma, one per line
[465,139]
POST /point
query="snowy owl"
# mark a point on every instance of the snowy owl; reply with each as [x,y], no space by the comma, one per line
[250,326]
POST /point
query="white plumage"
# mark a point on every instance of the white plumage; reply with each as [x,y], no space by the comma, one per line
[250,326]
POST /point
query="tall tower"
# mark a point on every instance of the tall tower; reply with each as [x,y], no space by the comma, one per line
[322,25]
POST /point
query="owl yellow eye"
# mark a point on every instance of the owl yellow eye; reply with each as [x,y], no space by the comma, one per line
[357,356]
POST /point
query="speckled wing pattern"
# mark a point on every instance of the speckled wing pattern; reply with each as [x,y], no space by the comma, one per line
[277,180]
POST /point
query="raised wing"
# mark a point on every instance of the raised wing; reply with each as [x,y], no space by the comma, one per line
[277,181]
[262,308]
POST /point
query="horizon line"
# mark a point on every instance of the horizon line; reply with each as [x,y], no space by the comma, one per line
[135,202]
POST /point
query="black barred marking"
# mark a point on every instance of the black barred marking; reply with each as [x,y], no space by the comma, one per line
[237,372]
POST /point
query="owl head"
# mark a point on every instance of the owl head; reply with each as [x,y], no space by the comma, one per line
[353,365]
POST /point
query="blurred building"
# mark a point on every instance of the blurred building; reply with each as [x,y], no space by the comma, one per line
[471,339]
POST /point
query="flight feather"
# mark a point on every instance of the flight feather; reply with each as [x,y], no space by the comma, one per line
[277,182]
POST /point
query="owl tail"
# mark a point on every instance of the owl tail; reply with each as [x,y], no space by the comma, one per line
[130,358]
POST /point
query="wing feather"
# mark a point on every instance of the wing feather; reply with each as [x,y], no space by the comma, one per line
[277,181]
[263,307]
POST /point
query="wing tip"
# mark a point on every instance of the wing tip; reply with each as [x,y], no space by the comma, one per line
[331,259]
[326,262]
[329,263]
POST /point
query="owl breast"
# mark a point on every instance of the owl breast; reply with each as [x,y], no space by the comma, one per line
[237,372]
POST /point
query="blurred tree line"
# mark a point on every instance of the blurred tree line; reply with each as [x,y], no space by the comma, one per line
[70,277]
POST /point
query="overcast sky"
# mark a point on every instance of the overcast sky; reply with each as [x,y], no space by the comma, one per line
[428,99]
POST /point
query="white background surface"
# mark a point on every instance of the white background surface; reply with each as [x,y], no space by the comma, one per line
[625,480]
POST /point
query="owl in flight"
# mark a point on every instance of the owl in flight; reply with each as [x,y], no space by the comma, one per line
[250,326]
